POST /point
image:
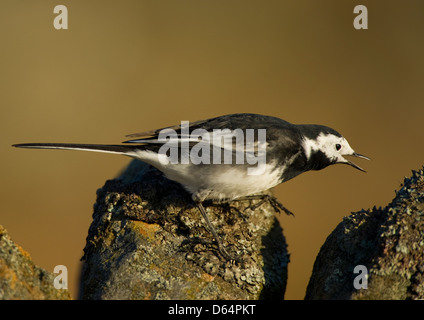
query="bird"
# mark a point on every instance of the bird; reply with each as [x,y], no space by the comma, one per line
[230,157]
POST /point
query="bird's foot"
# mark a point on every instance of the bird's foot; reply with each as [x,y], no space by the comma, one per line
[276,205]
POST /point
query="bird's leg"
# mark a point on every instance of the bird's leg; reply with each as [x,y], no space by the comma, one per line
[221,247]
[266,197]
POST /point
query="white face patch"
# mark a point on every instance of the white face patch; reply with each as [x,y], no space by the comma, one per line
[332,146]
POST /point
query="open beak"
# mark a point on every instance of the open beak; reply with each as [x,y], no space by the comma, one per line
[358,156]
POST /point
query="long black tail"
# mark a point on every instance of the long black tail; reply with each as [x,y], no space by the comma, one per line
[108,148]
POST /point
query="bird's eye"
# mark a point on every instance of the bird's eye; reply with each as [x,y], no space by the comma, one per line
[338,147]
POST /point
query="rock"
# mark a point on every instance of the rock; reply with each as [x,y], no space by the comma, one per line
[20,278]
[388,241]
[148,241]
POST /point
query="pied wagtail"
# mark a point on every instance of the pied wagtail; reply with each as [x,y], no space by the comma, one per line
[289,150]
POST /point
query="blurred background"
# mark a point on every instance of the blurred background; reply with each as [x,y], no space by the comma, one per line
[129,66]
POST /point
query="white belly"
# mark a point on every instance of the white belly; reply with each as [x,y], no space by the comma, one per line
[220,182]
[216,181]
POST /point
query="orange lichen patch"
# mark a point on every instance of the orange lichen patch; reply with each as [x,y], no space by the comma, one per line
[148,296]
[23,252]
[148,230]
[207,277]
[8,274]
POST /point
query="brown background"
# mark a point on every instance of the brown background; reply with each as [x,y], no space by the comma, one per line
[129,66]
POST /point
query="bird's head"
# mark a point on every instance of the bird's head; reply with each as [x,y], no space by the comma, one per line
[324,146]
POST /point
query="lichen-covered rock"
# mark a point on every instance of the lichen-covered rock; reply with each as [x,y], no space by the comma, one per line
[20,278]
[388,241]
[148,241]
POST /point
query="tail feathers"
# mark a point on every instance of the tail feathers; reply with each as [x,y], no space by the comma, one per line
[118,149]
